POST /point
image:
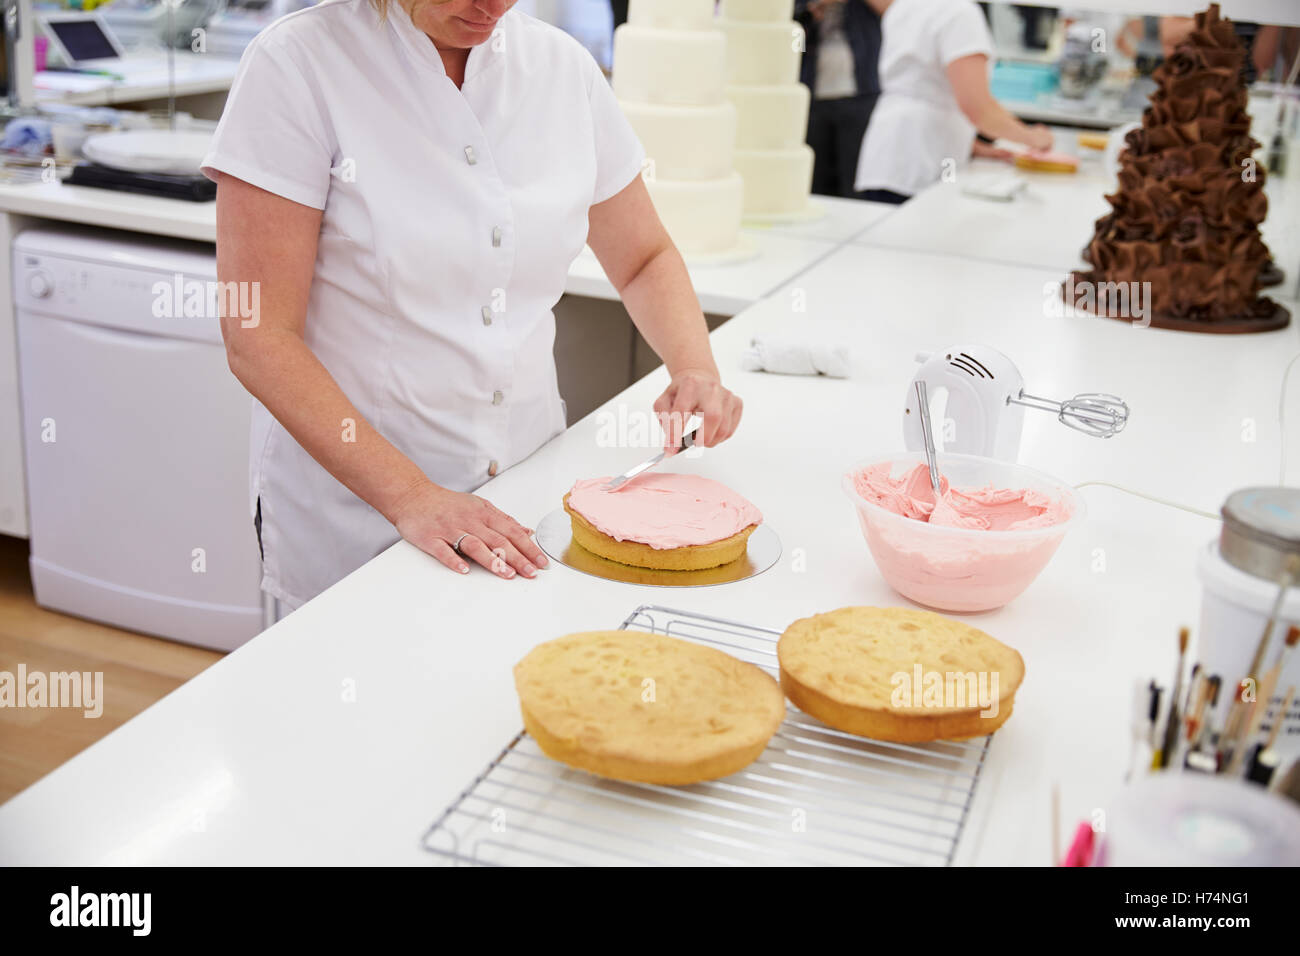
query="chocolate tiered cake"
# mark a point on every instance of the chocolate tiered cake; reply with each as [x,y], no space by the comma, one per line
[1186,216]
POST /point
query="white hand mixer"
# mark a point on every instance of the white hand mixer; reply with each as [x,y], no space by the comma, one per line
[985,402]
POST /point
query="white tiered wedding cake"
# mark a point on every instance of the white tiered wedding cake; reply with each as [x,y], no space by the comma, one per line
[670,79]
[764,49]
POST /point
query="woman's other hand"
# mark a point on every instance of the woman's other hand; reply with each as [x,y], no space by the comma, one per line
[969,78]
[1040,138]
[982,150]
[818,8]
[433,519]
[698,392]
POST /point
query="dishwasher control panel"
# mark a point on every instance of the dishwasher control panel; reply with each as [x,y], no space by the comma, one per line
[131,296]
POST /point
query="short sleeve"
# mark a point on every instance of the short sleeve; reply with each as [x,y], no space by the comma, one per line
[619,154]
[274,132]
[964,32]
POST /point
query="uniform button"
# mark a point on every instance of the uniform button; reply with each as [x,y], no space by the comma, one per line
[498,397]
[492,469]
[496,237]
[470,156]
[487,315]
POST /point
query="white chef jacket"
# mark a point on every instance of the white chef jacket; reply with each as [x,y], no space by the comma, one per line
[917,124]
[450,219]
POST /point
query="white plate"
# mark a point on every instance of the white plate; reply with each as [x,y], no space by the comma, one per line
[177,152]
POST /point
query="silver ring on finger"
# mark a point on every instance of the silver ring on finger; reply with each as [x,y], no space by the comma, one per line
[456,547]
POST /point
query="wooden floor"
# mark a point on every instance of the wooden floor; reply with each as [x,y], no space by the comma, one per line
[137,671]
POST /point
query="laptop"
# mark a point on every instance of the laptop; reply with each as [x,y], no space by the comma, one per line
[87,44]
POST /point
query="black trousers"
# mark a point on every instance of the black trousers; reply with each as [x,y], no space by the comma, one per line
[882,195]
[835,131]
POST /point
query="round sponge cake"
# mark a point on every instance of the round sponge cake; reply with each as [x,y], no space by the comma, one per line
[898,674]
[643,707]
[691,557]
[665,521]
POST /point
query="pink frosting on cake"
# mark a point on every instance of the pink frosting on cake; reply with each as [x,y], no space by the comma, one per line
[987,509]
[664,510]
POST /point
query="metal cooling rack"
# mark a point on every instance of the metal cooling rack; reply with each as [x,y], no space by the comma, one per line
[816,796]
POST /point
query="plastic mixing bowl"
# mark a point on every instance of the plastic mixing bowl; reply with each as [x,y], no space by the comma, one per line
[961,569]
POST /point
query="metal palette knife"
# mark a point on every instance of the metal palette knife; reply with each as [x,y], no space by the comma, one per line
[617,482]
[986,399]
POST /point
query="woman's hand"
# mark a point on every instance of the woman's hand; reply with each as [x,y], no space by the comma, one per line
[433,518]
[980,149]
[698,392]
[818,8]
[639,258]
[1039,138]
[969,78]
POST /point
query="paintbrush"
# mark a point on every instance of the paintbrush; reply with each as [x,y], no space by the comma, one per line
[1197,697]
[1192,704]
[1199,757]
[1263,698]
[1239,712]
[1280,719]
[1264,760]
[1212,688]
[1154,723]
[1193,688]
[1170,745]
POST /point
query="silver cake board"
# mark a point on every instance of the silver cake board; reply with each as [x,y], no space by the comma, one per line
[555,537]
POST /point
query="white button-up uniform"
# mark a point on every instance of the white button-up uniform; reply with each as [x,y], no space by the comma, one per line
[450,218]
[917,126]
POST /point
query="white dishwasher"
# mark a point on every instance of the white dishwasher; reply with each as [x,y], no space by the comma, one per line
[136,437]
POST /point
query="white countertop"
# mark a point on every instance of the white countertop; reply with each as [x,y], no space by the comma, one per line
[112,209]
[1051,220]
[195,74]
[259,759]
[724,288]
[779,252]
[835,219]
[1047,224]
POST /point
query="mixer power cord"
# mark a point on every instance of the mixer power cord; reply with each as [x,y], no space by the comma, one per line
[1141,494]
[1281,480]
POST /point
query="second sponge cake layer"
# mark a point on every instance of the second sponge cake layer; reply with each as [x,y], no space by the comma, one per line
[898,674]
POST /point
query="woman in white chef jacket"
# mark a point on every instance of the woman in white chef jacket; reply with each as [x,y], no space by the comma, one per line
[409,183]
[934,96]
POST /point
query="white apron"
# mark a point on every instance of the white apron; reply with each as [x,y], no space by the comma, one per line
[450,218]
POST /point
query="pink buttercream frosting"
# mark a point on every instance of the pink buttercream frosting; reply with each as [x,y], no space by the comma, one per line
[936,553]
[985,509]
[664,510]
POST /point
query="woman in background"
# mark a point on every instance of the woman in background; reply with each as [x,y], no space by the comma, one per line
[934,77]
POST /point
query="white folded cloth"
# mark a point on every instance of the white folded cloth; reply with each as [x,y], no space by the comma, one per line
[796,355]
